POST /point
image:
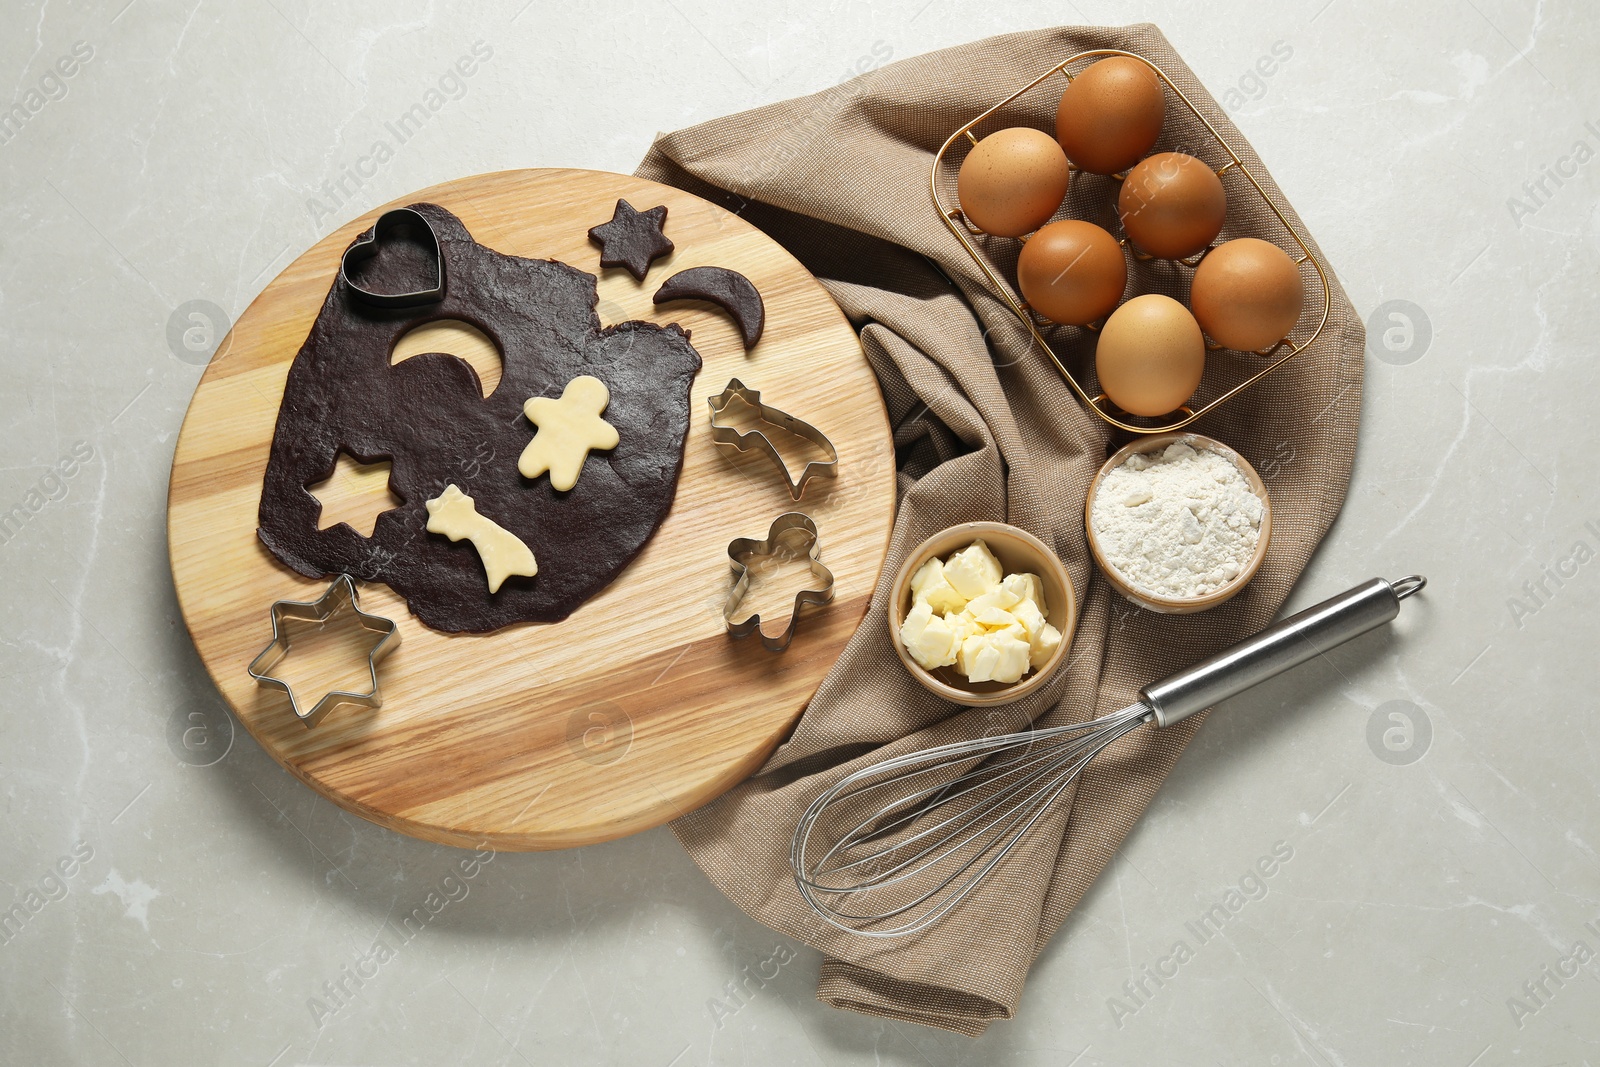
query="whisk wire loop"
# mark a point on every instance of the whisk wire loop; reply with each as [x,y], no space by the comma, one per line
[925,851]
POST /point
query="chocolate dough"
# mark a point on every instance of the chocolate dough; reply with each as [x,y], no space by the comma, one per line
[429,418]
[729,289]
[632,239]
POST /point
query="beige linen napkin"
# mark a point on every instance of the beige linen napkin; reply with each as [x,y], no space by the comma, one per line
[986,429]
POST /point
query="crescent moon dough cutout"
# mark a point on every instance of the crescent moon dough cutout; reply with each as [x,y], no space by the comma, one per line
[726,288]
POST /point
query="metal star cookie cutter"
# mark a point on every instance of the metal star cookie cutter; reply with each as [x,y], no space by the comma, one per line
[755,439]
[366,246]
[340,596]
[741,548]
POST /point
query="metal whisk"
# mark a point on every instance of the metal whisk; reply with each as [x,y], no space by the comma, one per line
[894,847]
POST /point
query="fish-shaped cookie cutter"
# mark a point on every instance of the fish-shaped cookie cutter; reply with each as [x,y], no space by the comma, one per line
[340,597]
[732,437]
[740,549]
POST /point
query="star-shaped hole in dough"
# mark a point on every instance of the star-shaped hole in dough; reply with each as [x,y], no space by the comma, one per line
[355,494]
[632,238]
[568,430]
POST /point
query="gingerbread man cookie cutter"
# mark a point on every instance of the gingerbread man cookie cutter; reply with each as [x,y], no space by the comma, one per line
[741,549]
[733,437]
[339,598]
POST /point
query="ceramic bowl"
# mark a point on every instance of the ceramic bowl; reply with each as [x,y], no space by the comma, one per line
[1154,601]
[1018,552]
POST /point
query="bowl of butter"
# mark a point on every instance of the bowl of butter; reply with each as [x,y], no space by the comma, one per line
[982,613]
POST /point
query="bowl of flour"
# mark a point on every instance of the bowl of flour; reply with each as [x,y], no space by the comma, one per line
[1178,522]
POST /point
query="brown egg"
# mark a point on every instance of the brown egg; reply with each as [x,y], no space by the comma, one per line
[1172,205]
[1247,294]
[1012,181]
[1110,115]
[1072,272]
[1150,355]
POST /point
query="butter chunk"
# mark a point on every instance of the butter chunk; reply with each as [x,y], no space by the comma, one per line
[1043,645]
[998,597]
[973,571]
[994,657]
[929,638]
[977,658]
[1030,618]
[929,586]
[990,619]
[1013,657]
[1025,586]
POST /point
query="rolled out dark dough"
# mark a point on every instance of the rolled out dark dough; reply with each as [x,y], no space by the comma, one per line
[429,418]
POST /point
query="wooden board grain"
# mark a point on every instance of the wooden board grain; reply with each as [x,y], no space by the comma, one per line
[637,708]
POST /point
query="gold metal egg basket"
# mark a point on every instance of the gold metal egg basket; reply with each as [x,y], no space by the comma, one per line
[1271,358]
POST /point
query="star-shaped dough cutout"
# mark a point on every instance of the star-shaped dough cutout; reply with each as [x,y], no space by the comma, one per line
[632,238]
[568,429]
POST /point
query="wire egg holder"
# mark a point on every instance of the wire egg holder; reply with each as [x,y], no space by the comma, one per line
[1279,353]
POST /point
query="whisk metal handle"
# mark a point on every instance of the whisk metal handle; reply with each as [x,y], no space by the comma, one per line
[1289,643]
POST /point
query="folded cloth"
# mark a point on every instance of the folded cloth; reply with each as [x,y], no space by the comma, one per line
[985,428]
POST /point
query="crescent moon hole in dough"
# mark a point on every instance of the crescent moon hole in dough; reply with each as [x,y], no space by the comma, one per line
[456,338]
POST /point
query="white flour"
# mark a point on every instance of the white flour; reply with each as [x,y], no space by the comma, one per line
[1178,523]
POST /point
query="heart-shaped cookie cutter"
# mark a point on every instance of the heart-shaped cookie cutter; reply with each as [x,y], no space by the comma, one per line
[742,548]
[366,246]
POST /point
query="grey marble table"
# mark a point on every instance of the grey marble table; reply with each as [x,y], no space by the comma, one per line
[1426,798]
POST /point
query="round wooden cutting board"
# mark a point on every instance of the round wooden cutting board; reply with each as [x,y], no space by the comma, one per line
[638,707]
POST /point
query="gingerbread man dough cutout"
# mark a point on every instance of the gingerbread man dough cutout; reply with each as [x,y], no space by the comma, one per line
[568,429]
